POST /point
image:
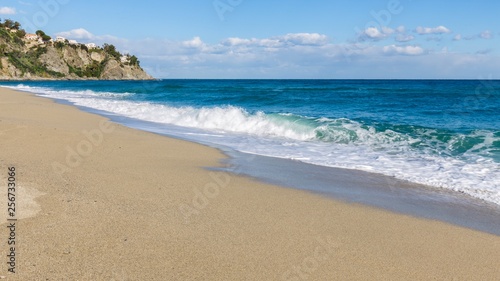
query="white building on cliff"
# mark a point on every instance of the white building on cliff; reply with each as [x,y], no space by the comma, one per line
[31,37]
[91,45]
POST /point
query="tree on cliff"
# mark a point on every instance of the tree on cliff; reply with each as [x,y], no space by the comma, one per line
[42,35]
[16,25]
[111,50]
[8,23]
[21,33]
[134,61]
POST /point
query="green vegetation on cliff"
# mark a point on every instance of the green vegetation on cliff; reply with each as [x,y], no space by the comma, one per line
[94,69]
[29,62]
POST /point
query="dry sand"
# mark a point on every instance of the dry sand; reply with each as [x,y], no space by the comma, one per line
[137,206]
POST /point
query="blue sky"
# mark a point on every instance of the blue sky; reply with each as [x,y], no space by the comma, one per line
[283,39]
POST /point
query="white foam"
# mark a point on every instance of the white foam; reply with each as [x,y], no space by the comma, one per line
[346,144]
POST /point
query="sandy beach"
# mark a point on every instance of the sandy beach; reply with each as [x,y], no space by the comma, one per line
[99,201]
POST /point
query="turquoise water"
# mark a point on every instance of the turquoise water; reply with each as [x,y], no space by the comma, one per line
[444,134]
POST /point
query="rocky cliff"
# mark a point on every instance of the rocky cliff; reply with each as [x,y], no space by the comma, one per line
[30,57]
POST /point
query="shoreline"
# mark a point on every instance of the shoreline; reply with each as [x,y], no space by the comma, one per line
[120,212]
[348,185]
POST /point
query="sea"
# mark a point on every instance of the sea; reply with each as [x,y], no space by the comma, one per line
[441,135]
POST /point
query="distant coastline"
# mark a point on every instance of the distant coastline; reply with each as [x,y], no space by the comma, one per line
[27,56]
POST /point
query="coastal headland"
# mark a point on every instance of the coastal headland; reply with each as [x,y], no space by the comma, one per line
[37,56]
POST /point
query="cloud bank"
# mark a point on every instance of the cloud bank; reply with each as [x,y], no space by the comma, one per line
[303,55]
[432,30]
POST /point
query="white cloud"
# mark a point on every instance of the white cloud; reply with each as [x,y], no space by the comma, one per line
[484,52]
[399,33]
[388,30]
[7,11]
[434,38]
[401,29]
[483,35]
[196,42]
[404,38]
[374,33]
[486,34]
[304,38]
[403,50]
[457,37]
[290,39]
[79,33]
[83,36]
[270,42]
[254,42]
[432,30]
[235,41]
